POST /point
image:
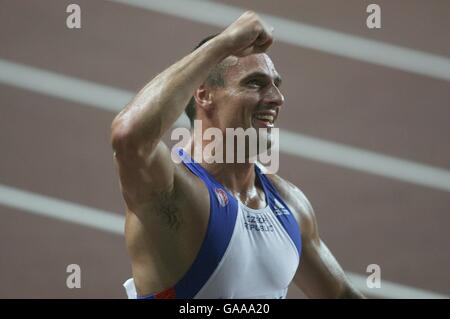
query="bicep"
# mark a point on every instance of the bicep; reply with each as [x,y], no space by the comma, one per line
[319,274]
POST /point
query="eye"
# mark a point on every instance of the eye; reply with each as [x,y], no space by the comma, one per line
[255,83]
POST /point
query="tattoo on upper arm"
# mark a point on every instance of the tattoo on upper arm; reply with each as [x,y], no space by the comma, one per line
[167,208]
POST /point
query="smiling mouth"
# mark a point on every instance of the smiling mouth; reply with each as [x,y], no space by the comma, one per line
[263,121]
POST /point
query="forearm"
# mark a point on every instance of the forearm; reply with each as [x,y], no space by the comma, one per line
[158,105]
[349,292]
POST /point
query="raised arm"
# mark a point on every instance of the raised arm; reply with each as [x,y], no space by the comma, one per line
[143,161]
[145,167]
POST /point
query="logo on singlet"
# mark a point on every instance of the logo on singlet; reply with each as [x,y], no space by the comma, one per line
[221,196]
[279,209]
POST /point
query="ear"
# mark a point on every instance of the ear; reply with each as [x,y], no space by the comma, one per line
[203,97]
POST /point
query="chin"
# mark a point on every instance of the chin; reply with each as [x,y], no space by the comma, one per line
[265,139]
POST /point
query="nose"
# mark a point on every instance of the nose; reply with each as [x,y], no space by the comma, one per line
[274,97]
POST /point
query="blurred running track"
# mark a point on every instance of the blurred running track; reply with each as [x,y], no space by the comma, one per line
[365,132]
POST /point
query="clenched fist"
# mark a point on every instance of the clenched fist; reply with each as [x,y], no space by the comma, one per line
[248,35]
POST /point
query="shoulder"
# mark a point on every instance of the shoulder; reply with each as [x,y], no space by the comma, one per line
[298,203]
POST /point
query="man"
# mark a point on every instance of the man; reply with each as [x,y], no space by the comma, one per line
[216,230]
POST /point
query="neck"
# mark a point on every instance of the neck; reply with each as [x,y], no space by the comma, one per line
[239,178]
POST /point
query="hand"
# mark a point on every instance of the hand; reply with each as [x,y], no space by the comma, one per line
[248,35]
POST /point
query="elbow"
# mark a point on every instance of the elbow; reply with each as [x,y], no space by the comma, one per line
[122,136]
[119,134]
[128,142]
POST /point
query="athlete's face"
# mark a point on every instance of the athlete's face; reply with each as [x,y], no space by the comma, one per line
[251,96]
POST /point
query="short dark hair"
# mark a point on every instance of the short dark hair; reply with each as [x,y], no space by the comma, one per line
[215,78]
